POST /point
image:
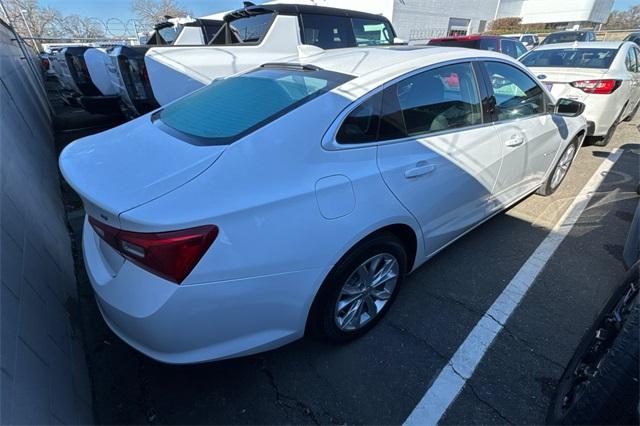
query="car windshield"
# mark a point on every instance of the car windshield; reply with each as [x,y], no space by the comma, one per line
[231,108]
[567,37]
[570,58]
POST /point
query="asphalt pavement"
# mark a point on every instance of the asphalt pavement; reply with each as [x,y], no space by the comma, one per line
[380,378]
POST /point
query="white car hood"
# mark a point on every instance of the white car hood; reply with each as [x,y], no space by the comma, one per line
[130,165]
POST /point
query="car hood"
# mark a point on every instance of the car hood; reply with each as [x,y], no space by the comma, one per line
[130,165]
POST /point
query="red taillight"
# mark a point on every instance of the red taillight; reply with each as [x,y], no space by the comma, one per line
[45,63]
[171,255]
[597,87]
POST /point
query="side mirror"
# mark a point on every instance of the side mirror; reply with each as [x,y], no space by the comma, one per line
[569,108]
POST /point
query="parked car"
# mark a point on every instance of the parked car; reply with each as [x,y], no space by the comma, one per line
[504,45]
[291,197]
[73,75]
[600,383]
[528,40]
[634,37]
[258,34]
[569,36]
[119,72]
[603,75]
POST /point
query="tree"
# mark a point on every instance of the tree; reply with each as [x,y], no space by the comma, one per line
[624,19]
[41,21]
[79,27]
[150,12]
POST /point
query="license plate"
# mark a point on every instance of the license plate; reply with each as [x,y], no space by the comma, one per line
[549,86]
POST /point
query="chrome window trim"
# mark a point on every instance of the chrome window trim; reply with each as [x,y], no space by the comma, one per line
[330,143]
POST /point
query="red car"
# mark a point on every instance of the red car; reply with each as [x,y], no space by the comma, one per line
[505,45]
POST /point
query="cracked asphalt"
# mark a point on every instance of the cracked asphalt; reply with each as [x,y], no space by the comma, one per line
[380,378]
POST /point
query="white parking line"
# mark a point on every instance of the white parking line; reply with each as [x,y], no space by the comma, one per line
[461,366]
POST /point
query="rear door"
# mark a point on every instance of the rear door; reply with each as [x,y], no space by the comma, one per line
[632,64]
[439,156]
[528,132]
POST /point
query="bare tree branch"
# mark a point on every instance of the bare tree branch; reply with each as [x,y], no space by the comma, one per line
[150,12]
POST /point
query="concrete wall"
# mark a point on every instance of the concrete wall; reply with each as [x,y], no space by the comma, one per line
[43,372]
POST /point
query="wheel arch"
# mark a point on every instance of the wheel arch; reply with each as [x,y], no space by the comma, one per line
[409,237]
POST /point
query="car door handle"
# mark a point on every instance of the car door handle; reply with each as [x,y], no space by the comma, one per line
[515,141]
[420,169]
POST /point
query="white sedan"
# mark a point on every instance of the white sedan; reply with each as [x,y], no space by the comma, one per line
[605,76]
[296,196]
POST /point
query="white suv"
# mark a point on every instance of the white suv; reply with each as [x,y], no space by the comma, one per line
[259,34]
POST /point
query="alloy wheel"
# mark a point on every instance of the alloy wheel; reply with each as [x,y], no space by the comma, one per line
[366,292]
[563,166]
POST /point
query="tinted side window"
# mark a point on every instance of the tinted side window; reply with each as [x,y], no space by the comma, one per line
[250,29]
[508,47]
[369,32]
[361,126]
[210,29]
[637,51]
[520,49]
[517,95]
[488,44]
[327,32]
[631,61]
[436,100]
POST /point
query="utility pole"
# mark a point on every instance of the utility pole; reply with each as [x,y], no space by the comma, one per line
[495,16]
[33,41]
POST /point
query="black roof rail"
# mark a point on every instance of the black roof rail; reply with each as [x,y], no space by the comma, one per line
[291,65]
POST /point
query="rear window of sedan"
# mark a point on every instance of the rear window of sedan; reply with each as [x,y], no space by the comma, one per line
[567,37]
[481,43]
[570,58]
[233,107]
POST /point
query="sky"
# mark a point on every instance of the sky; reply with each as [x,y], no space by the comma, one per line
[120,9]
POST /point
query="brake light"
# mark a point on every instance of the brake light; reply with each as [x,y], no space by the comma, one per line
[45,63]
[171,255]
[597,87]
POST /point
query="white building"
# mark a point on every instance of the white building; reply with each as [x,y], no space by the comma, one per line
[424,19]
[565,13]
[420,20]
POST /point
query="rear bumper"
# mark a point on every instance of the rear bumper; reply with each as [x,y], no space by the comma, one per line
[181,324]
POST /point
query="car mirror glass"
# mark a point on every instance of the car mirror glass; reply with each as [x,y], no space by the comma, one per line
[569,108]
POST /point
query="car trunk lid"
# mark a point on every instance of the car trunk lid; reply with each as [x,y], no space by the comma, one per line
[557,80]
[129,165]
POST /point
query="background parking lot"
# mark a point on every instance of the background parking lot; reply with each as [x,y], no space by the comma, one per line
[381,377]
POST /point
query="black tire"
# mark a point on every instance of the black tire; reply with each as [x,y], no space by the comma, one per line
[611,396]
[633,113]
[547,188]
[322,323]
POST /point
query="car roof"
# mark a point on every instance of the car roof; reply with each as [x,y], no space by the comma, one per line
[296,9]
[583,45]
[373,66]
[467,37]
